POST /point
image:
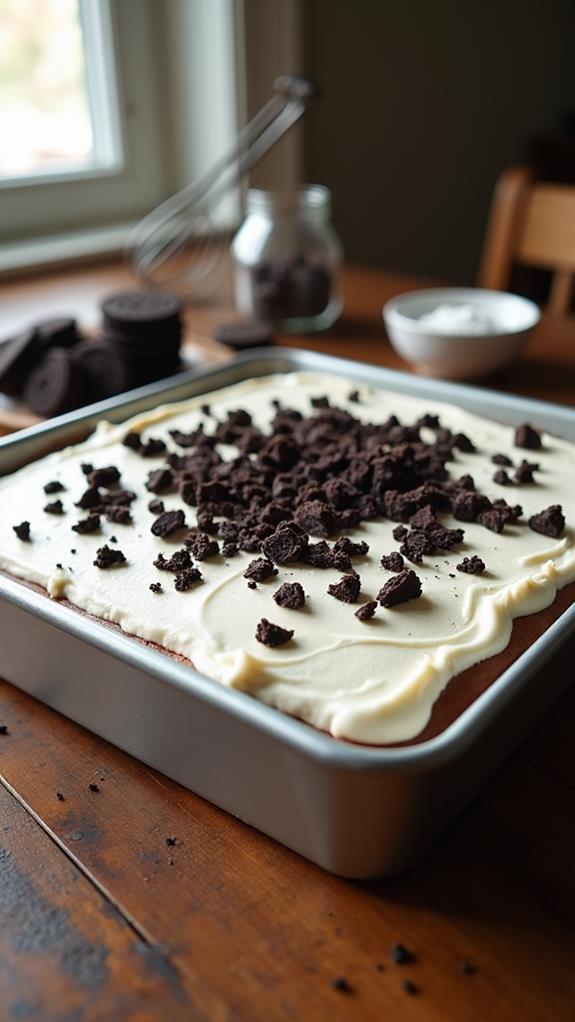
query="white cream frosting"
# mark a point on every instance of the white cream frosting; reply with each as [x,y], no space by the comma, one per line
[373,681]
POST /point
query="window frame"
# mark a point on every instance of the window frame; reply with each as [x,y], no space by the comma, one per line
[176,62]
[132,173]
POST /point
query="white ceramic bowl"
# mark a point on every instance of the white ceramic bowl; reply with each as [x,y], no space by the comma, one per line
[459,355]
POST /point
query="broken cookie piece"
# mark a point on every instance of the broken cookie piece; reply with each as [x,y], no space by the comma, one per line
[107,558]
[347,589]
[272,635]
[400,589]
[290,595]
[549,522]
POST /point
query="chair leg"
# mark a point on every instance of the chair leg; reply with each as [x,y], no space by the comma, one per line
[503,228]
[561,292]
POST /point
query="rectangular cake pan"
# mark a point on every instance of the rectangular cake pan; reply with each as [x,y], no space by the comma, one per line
[355,810]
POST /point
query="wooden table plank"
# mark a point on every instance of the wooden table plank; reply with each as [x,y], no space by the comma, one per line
[66,953]
[236,924]
[546,369]
[268,932]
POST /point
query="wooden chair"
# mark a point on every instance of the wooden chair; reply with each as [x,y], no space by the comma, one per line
[531,223]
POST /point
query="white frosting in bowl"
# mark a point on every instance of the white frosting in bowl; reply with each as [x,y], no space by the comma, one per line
[371,681]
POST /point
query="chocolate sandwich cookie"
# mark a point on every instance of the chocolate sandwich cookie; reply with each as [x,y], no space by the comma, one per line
[143,371]
[244,335]
[151,343]
[60,332]
[104,368]
[139,311]
[18,357]
[56,385]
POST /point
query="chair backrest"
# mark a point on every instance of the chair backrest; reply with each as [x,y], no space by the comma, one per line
[533,224]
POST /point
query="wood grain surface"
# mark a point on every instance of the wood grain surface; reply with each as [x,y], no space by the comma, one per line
[141,902]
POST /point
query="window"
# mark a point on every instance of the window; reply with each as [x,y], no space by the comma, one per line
[151,88]
[58,98]
[149,95]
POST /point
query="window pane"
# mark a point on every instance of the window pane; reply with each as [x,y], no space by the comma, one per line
[45,122]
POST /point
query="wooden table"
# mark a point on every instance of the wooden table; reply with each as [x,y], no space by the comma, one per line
[103,918]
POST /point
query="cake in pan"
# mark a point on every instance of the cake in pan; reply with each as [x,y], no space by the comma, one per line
[339,553]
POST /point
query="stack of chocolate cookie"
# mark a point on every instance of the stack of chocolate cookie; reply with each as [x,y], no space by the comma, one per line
[55,370]
[145,328]
[34,365]
[139,343]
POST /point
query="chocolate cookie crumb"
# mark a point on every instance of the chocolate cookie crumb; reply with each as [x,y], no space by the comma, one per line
[153,448]
[201,546]
[463,443]
[392,562]
[409,987]
[60,796]
[342,985]
[179,561]
[526,436]
[107,476]
[320,402]
[132,440]
[317,518]
[118,514]
[501,478]
[549,522]
[23,531]
[186,579]
[524,472]
[252,584]
[287,543]
[159,479]
[106,557]
[467,505]
[156,507]
[272,635]
[205,410]
[415,545]
[94,787]
[290,595]
[471,565]
[54,507]
[260,569]
[428,420]
[230,549]
[399,533]
[401,955]
[86,468]
[156,587]
[366,612]
[345,545]
[347,589]
[168,522]
[4,729]
[87,525]
[502,459]
[353,396]
[171,842]
[399,589]
[90,498]
[55,486]
[493,518]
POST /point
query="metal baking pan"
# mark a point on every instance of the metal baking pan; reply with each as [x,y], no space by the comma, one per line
[355,810]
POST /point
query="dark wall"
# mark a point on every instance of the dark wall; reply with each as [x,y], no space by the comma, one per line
[425,102]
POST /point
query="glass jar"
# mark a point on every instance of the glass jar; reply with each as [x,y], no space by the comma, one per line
[287,259]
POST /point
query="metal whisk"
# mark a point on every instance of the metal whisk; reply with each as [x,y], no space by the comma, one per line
[172,245]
